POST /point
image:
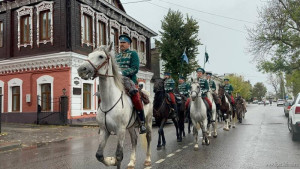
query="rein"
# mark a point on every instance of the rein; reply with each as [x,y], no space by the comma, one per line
[105,112]
[96,69]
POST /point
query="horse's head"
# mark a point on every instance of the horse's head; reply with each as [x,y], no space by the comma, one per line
[195,90]
[158,85]
[98,63]
[221,91]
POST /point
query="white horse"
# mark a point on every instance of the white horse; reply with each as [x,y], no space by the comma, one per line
[214,115]
[198,115]
[115,113]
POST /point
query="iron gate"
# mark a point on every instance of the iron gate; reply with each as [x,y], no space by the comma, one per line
[53,117]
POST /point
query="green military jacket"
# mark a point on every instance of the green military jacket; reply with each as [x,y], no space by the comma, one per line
[212,85]
[129,63]
[228,89]
[204,86]
[184,89]
[169,85]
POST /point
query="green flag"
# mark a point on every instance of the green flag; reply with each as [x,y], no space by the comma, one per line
[206,57]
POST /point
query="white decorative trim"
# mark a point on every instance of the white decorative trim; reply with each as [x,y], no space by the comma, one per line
[116,25]
[142,55]
[43,6]
[125,29]
[84,9]
[42,80]
[25,10]
[101,17]
[142,38]
[2,86]
[12,83]
[134,34]
[92,99]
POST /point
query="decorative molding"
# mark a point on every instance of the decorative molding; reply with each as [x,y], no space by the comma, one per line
[115,24]
[142,55]
[101,17]
[25,10]
[125,29]
[134,34]
[84,9]
[50,61]
[43,6]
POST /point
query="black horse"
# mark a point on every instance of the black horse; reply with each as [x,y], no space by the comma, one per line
[161,112]
[181,100]
[239,108]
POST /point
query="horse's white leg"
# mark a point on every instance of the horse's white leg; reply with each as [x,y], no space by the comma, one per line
[209,130]
[234,120]
[215,124]
[195,133]
[148,136]
[103,136]
[204,133]
[133,137]
[226,128]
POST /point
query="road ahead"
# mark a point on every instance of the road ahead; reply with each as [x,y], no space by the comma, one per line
[262,141]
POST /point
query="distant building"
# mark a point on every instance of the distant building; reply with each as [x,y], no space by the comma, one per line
[42,43]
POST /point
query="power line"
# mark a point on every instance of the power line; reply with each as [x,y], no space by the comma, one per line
[240,20]
[133,2]
[203,20]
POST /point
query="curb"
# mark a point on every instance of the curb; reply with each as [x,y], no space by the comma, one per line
[10,147]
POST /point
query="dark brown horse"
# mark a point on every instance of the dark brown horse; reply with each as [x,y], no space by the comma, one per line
[225,107]
[239,108]
[161,112]
[181,100]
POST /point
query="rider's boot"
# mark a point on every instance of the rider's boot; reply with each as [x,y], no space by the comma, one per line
[174,111]
[141,115]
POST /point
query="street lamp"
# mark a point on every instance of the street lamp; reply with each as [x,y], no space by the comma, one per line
[64,90]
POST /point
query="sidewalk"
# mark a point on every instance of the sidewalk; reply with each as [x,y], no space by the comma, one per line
[19,136]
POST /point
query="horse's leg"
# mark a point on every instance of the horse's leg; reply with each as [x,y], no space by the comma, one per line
[234,117]
[176,126]
[226,127]
[195,133]
[209,130]
[103,136]
[133,137]
[148,137]
[160,130]
[204,132]
[119,151]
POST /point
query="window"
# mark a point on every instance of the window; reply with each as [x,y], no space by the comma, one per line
[25,26]
[1,34]
[134,43]
[87,96]
[87,31]
[25,29]
[142,47]
[45,22]
[115,38]
[46,96]
[102,33]
[87,26]
[16,98]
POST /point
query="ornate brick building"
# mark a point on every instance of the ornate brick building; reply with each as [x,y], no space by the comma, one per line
[43,42]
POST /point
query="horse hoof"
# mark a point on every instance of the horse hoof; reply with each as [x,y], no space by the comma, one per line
[196,148]
[226,129]
[130,167]
[179,140]
[159,147]
[215,136]
[233,126]
[147,163]
[207,142]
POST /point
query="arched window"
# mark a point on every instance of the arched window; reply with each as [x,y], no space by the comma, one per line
[15,95]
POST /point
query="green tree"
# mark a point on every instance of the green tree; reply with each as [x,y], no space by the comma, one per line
[259,90]
[275,41]
[293,82]
[178,34]
[240,86]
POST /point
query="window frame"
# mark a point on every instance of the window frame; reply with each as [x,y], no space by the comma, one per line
[84,9]
[142,54]
[1,33]
[42,7]
[2,92]
[101,18]
[85,95]
[43,80]
[114,25]
[126,30]
[18,98]
[48,99]
[23,11]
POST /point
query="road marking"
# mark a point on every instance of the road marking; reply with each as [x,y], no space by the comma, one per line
[160,161]
[185,147]
[178,150]
[191,143]
[170,155]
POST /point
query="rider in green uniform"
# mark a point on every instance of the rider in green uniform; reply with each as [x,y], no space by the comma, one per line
[204,89]
[129,63]
[169,85]
[212,86]
[183,87]
[228,91]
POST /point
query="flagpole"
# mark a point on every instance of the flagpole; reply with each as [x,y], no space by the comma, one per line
[181,62]
[204,57]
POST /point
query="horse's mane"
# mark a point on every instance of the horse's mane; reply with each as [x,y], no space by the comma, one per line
[115,68]
[159,93]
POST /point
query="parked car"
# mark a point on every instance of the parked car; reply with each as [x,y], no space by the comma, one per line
[280,102]
[261,102]
[294,118]
[287,105]
[255,102]
[267,102]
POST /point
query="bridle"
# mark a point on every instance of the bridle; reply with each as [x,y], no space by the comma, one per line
[194,91]
[96,69]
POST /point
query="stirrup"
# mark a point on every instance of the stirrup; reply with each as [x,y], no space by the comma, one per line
[143,129]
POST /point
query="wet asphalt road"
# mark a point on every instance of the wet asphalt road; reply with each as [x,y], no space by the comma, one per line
[262,141]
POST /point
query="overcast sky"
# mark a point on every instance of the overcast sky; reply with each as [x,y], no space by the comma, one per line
[227,48]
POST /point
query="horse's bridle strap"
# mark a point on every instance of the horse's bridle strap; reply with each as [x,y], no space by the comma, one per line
[99,67]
